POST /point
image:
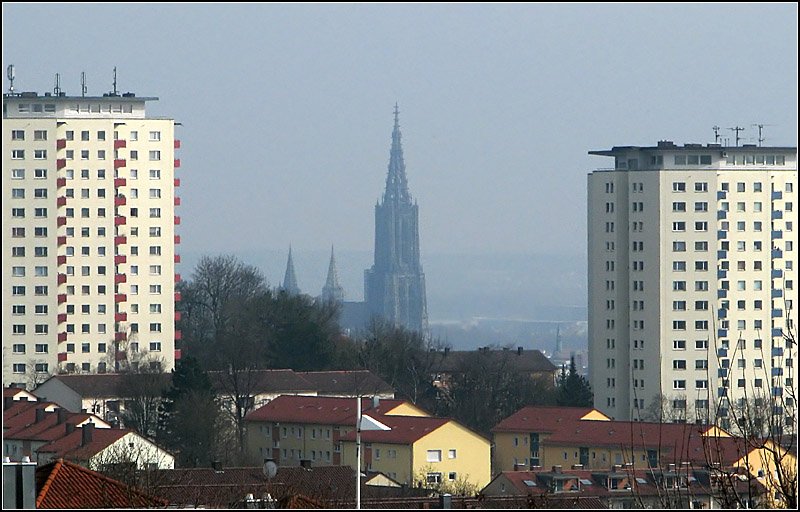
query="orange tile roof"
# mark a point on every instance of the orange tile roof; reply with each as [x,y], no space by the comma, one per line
[62,484]
[318,410]
[404,430]
[70,447]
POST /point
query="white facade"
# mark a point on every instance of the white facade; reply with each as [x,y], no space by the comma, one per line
[692,279]
[88,236]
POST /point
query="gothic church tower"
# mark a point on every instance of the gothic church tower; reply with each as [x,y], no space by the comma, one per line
[394,288]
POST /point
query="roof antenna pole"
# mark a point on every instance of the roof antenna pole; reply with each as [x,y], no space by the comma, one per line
[716,134]
[760,130]
[115,80]
[83,84]
[737,129]
[57,88]
[10,74]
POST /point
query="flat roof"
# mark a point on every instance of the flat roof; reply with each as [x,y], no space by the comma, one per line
[669,146]
[62,97]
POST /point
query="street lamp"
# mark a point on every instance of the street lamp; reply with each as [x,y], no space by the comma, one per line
[363,423]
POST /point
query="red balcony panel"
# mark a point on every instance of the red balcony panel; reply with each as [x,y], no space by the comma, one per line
[177,316]
[178,335]
[61,163]
[61,143]
[61,182]
[62,298]
[177,144]
[61,221]
[177,296]
[120,278]
[119,220]
[119,336]
[120,297]
[61,260]
[177,220]
[177,258]
[61,201]
[177,201]
[62,317]
[177,162]
[177,354]
[120,355]
[120,317]
[119,162]
[119,182]
[120,240]
[62,356]
[120,201]
[61,240]
[177,278]
[62,278]
[62,336]
[120,259]
[120,143]
[177,239]
[177,182]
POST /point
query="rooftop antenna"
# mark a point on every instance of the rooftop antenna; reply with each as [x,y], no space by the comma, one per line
[10,74]
[115,80]
[760,129]
[737,129]
[83,84]
[716,134]
[57,88]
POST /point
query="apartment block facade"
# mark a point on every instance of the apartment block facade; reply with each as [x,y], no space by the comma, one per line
[692,260]
[88,235]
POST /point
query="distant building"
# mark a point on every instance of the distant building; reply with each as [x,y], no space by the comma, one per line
[692,273]
[289,278]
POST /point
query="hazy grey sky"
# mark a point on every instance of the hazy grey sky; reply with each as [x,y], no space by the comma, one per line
[287,109]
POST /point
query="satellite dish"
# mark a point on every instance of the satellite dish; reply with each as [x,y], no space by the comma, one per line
[270,469]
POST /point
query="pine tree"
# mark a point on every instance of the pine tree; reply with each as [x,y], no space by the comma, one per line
[574,390]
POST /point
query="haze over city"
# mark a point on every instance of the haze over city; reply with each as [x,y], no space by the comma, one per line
[286,117]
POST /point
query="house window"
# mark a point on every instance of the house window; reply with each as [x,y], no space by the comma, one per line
[434,478]
[451,454]
[435,456]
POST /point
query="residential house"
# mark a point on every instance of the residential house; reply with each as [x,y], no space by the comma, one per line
[348,383]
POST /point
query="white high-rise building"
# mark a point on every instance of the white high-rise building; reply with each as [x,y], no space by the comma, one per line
[692,280]
[88,235]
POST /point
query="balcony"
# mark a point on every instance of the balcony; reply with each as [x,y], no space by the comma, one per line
[62,278]
[119,336]
[722,255]
[119,259]
[777,214]
[120,201]
[777,253]
[777,372]
[177,316]
[777,194]
[722,234]
[62,337]
[178,335]
[176,144]
[177,258]
[722,352]
[120,317]
[722,214]
[119,220]
[61,240]
[61,163]
[177,278]
[119,162]
[176,182]
[120,143]
[62,298]
[777,235]
[777,332]
[176,201]
[120,355]
[721,294]
[61,260]
[776,273]
[777,313]
[777,294]
[721,194]
[722,274]
[777,391]
[62,356]
[177,296]
[177,163]
[61,182]
[177,239]
[61,143]
[722,313]
[61,201]
[120,240]
[119,182]
[722,373]
[177,220]
[177,354]
[62,317]
[120,278]
[120,297]
[722,333]
[777,351]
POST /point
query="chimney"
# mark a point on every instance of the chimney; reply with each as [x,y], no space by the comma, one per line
[519,351]
[557,469]
[70,428]
[61,415]
[8,401]
[376,401]
[215,465]
[86,434]
[40,412]
[671,468]
[305,463]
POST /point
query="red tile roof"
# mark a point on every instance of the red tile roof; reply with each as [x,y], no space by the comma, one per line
[266,381]
[317,409]
[109,385]
[347,382]
[543,419]
[24,413]
[404,430]
[70,446]
[62,484]
[11,392]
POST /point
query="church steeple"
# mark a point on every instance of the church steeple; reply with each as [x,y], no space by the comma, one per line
[289,279]
[396,184]
[332,291]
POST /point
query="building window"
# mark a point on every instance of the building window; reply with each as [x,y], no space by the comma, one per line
[434,456]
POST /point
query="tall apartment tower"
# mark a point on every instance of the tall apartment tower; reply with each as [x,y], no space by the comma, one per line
[692,280]
[88,235]
[394,288]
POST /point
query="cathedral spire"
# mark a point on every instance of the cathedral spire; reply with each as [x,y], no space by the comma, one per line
[332,291]
[396,184]
[289,279]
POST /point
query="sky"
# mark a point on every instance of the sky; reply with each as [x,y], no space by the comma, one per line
[286,109]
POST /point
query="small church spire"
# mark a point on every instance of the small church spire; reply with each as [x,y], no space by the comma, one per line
[332,291]
[289,279]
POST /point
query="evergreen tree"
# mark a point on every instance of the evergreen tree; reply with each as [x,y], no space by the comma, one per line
[574,390]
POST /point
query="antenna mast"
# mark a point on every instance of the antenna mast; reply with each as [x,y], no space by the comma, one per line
[83,84]
[10,74]
[716,134]
[115,80]
[760,129]
[57,88]
[737,129]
